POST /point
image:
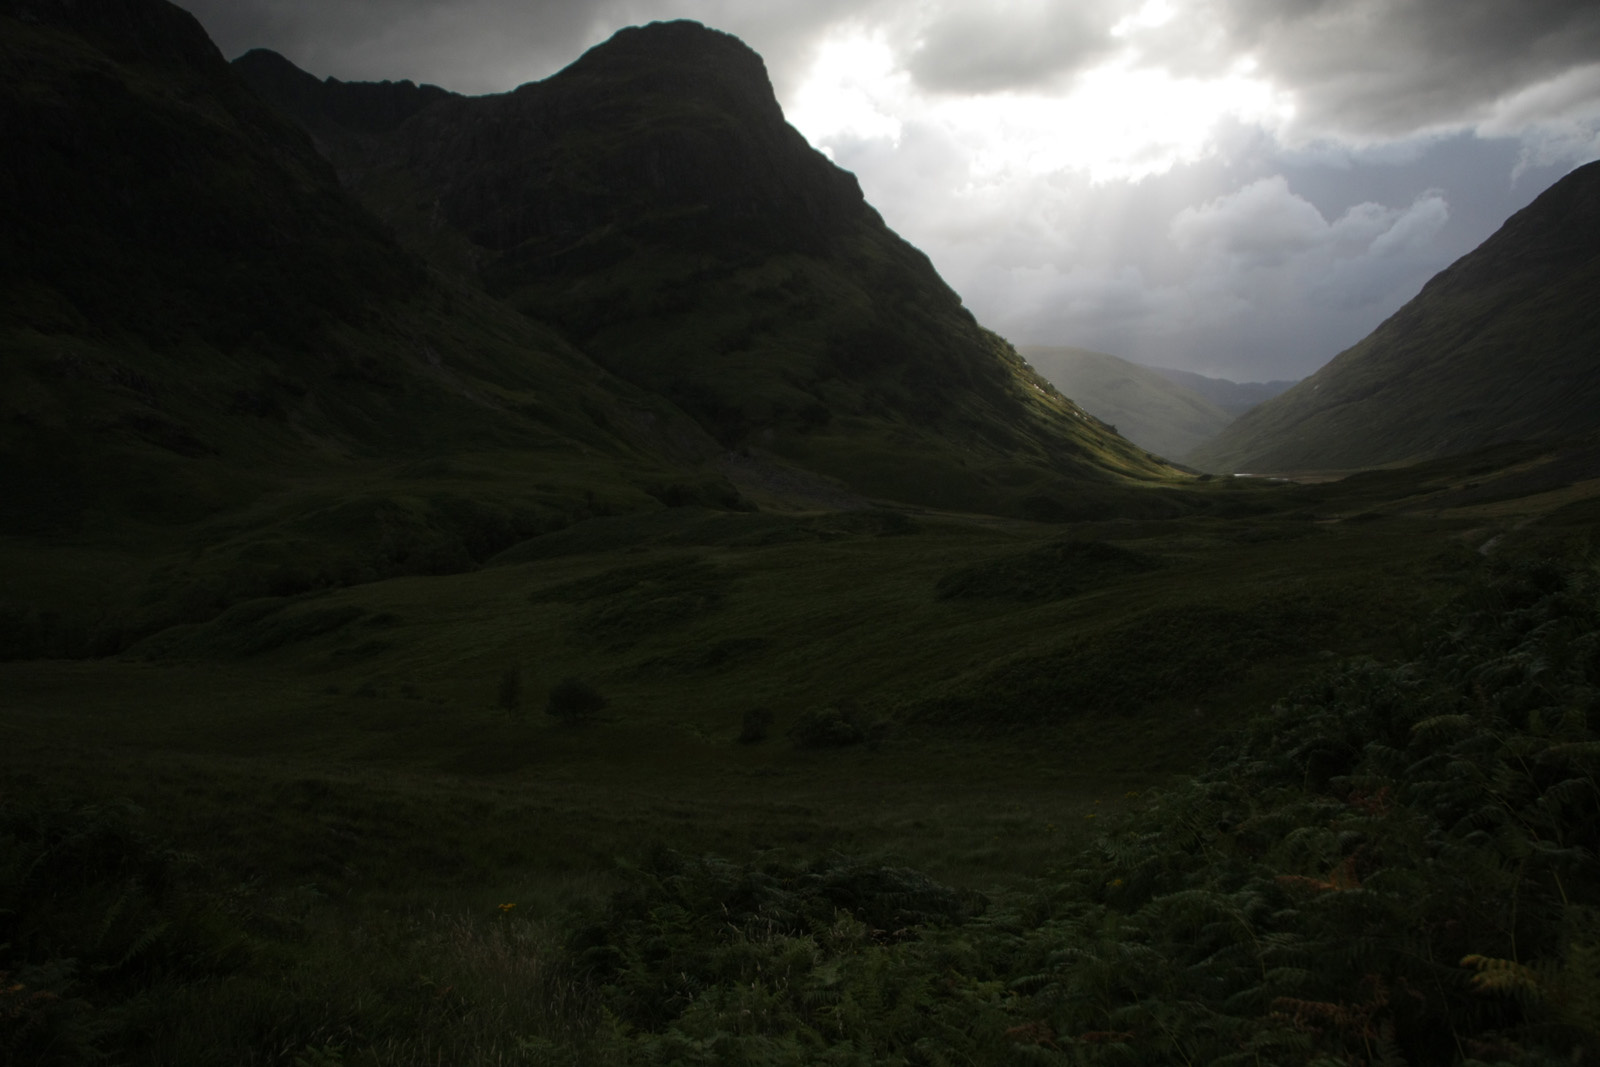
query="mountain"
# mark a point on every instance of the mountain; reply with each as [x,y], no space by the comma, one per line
[1235,398]
[1500,346]
[1145,405]
[652,205]
[222,378]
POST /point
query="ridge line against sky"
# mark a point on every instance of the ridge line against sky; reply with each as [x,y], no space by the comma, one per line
[1241,188]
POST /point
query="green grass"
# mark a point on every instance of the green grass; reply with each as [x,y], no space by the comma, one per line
[323,838]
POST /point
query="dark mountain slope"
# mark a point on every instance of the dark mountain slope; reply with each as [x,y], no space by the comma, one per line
[221,377]
[1143,404]
[333,107]
[652,204]
[150,193]
[1503,345]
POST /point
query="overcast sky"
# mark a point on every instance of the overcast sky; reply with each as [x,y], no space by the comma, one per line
[1237,187]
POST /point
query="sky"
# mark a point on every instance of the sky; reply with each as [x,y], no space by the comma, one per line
[1241,188]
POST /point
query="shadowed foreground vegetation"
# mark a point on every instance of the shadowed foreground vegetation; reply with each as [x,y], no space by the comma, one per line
[1396,863]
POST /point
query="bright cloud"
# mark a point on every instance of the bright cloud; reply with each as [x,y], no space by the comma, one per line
[1265,224]
[1116,121]
[853,91]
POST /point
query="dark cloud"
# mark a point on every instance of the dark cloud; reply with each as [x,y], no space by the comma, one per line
[1389,68]
[986,48]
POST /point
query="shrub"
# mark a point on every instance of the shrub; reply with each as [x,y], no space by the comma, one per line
[757,721]
[509,697]
[573,701]
[836,726]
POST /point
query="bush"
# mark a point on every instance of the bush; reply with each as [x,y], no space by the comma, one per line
[573,701]
[757,721]
[509,696]
[836,726]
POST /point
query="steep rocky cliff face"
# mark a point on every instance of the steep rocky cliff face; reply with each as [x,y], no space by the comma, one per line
[672,125]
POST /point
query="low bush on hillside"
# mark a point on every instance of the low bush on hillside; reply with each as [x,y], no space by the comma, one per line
[573,701]
[754,725]
[836,726]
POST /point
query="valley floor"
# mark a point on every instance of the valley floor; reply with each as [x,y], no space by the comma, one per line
[328,829]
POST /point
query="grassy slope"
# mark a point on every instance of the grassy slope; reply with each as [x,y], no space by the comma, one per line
[1499,347]
[1141,404]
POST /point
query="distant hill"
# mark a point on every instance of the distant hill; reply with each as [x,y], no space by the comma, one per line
[1235,398]
[1502,345]
[1147,406]
[652,205]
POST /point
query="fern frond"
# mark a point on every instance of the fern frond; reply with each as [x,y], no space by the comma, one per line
[1502,976]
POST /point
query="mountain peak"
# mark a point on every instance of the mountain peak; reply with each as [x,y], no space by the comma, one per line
[679,39]
[680,60]
[680,124]
[680,43]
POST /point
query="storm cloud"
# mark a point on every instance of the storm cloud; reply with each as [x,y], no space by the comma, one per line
[965,48]
[1237,187]
[1381,69]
